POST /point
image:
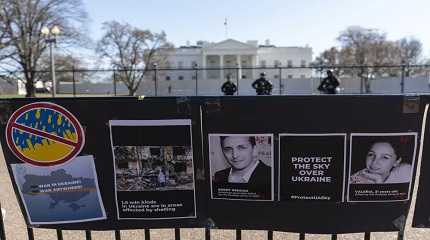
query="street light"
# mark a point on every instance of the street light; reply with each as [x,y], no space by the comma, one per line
[50,35]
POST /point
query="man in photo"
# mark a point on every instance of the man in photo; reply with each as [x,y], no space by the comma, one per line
[240,153]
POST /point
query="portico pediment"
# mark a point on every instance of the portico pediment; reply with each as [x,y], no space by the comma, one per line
[230,44]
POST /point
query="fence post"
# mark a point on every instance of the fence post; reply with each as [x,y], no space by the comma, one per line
[74,81]
[177,234]
[154,67]
[59,234]
[114,82]
[196,74]
[361,80]
[2,230]
[402,80]
[238,234]
[237,78]
[30,233]
[88,235]
[280,79]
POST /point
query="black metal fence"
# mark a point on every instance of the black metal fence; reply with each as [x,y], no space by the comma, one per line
[195,81]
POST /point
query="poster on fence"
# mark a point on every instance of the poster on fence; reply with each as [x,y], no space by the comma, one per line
[241,166]
[153,169]
[311,161]
[282,163]
[62,194]
[322,167]
[381,166]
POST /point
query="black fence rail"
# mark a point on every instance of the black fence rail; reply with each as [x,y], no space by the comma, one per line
[177,235]
[196,81]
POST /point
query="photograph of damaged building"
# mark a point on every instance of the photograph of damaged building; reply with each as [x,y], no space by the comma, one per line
[153,168]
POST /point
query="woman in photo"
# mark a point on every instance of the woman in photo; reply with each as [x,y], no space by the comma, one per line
[383,165]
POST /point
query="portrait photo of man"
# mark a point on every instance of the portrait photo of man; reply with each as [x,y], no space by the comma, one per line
[241,166]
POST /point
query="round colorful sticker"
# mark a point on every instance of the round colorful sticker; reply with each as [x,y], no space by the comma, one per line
[44,134]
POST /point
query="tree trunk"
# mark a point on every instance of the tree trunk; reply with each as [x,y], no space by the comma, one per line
[29,88]
[131,91]
[367,85]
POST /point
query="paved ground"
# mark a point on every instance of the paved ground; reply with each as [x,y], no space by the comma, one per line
[15,226]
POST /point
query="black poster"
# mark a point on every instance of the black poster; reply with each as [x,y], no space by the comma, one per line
[154,172]
[311,167]
[381,166]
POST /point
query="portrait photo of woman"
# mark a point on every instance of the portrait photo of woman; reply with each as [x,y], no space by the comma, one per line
[382,159]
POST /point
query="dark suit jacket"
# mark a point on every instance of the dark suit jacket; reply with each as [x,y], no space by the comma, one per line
[259,182]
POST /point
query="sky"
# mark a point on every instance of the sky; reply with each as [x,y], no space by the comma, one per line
[316,23]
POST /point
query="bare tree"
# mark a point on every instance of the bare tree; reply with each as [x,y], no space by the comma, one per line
[369,47]
[69,68]
[23,21]
[132,51]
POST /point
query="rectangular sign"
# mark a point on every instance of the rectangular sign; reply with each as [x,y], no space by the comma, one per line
[154,170]
[67,193]
[381,166]
[311,167]
[241,166]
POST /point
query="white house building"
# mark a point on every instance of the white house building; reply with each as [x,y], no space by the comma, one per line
[243,61]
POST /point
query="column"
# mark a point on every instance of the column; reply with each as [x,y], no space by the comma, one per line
[254,63]
[221,65]
[205,75]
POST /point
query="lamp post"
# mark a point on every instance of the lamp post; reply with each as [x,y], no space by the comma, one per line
[154,67]
[50,35]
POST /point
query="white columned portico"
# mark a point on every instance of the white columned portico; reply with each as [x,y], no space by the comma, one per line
[221,65]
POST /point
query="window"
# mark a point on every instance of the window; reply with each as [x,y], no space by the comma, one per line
[290,76]
[181,78]
[180,64]
[263,63]
[303,63]
[290,63]
[302,76]
[243,76]
[167,78]
[275,76]
[193,64]
[276,63]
